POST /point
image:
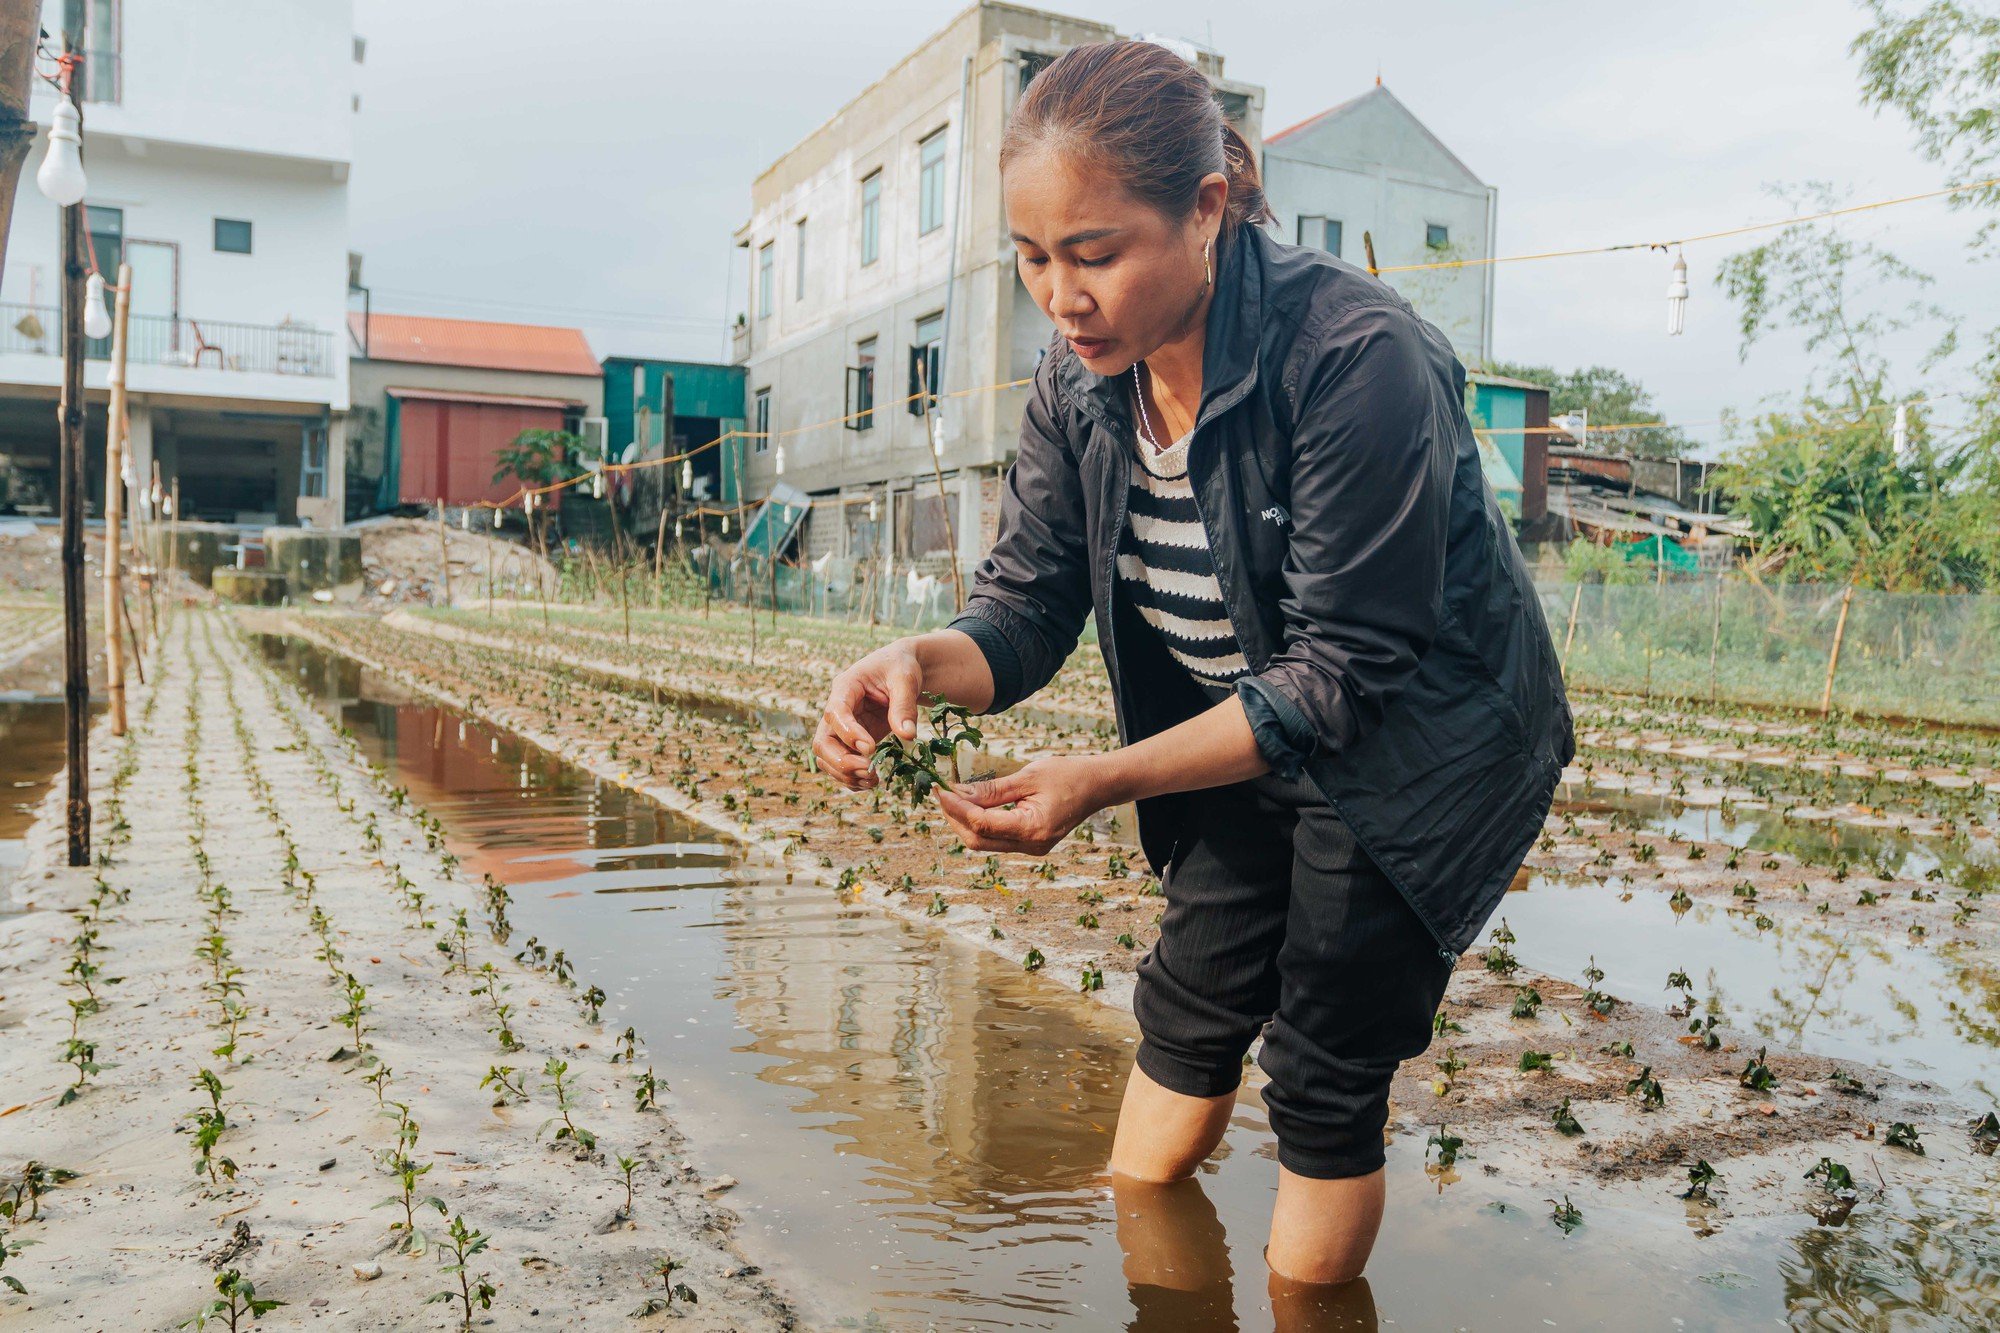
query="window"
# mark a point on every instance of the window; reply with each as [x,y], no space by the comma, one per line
[312,462]
[1322,233]
[765,261]
[926,363]
[871,218]
[930,184]
[1437,237]
[232,236]
[1033,63]
[860,411]
[799,282]
[760,420]
[96,23]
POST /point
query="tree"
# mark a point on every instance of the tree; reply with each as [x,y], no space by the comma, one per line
[1610,396]
[538,458]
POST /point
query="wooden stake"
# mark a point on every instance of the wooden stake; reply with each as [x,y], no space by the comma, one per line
[1569,635]
[444,552]
[944,505]
[1368,246]
[114,508]
[1833,658]
[138,656]
[76,643]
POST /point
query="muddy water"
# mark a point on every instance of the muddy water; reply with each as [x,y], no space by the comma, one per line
[31,754]
[919,1128]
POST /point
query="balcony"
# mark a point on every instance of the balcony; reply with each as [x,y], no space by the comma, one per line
[165,340]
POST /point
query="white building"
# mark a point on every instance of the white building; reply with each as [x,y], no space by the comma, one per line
[1368,166]
[866,240]
[217,144]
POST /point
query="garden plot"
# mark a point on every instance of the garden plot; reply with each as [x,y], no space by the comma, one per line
[276,1048]
[1523,1058]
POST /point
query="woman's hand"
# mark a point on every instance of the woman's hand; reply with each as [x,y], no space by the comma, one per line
[876,694]
[1049,798]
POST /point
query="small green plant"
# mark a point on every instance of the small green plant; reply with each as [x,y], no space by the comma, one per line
[626,1166]
[628,1047]
[1566,1215]
[664,1270]
[909,768]
[1032,961]
[1832,1176]
[1092,979]
[593,1002]
[455,1252]
[1647,1089]
[1902,1134]
[645,1097]
[556,1071]
[1757,1075]
[237,1299]
[357,1006]
[1531,1061]
[1448,1145]
[501,1079]
[378,1078]
[208,1127]
[1565,1120]
[83,1055]
[23,1201]
[1700,1177]
[409,1173]
[9,1248]
[1527,1002]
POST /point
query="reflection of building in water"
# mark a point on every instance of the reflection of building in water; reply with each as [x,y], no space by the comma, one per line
[948,1066]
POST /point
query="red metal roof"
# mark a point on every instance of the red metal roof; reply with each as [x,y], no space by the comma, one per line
[431,341]
[489,399]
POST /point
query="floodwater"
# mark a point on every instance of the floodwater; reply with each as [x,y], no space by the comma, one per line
[919,1127]
[31,755]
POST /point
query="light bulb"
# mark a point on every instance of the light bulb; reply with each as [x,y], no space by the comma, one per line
[779,460]
[687,474]
[597,484]
[1901,430]
[167,506]
[496,518]
[465,520]
[1677,297]
[60,176]
[96,319]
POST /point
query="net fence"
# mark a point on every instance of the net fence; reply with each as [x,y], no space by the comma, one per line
[1928,656]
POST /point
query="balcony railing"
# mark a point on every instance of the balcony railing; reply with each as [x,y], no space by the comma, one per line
[166,340]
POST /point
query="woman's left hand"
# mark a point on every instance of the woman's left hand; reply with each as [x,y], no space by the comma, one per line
[1049,798]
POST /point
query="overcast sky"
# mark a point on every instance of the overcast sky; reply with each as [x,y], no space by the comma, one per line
[586,163]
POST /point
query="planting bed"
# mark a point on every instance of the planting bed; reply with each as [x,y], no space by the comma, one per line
[263,1035]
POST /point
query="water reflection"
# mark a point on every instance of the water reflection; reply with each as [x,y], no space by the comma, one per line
[919,1127]
[31,755]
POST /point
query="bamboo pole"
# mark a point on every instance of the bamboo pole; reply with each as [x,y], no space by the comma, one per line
[1833,658]
[1569,635]
[138,654]
[944,505]
[76,644]
[1714,638]
[114,508]
[625,599]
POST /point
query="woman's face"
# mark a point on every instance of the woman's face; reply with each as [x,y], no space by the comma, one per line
[1115,277]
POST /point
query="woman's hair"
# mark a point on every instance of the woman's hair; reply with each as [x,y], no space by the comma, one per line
[1146,117]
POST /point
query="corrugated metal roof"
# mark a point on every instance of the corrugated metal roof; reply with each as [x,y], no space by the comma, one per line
[487,344]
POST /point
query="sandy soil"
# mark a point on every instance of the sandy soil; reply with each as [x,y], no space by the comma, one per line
[402,563]
[1090,904]
[135,1240]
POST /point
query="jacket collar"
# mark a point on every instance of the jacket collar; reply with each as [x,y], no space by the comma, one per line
[1229,354]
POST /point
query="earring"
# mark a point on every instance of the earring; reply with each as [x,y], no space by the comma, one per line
[1207,272]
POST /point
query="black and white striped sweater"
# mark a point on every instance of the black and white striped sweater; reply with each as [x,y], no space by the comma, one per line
[1165,566]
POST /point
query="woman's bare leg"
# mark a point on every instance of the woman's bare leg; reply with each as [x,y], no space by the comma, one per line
[1323,1230]
[1164,1135]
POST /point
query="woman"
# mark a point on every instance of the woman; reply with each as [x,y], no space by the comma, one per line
[1341,714]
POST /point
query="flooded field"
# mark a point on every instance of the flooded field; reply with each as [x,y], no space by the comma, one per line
[919,1127]
[31,754]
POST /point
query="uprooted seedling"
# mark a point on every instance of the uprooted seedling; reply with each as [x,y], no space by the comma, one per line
[909,768]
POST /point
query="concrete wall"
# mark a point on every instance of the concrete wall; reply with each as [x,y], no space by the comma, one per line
[1373,166]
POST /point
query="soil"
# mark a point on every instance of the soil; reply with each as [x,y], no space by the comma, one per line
[401,563]
[1089,906]
[136,1238]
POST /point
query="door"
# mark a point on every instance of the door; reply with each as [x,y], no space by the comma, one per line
[155,334]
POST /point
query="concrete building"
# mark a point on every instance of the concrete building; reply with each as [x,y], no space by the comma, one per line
[877,252]
[217,144]
[1369,166]
[435,400]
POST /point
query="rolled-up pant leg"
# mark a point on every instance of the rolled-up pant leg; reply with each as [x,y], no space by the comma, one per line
[1360,981]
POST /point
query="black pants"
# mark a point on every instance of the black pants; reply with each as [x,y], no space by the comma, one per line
[1275,916]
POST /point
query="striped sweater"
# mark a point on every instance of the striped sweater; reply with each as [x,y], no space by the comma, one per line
[1164,564]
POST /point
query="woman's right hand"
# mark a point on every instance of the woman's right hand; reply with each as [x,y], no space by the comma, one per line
[876,694]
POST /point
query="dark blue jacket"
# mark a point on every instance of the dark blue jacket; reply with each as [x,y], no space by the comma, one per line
[1398,651]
